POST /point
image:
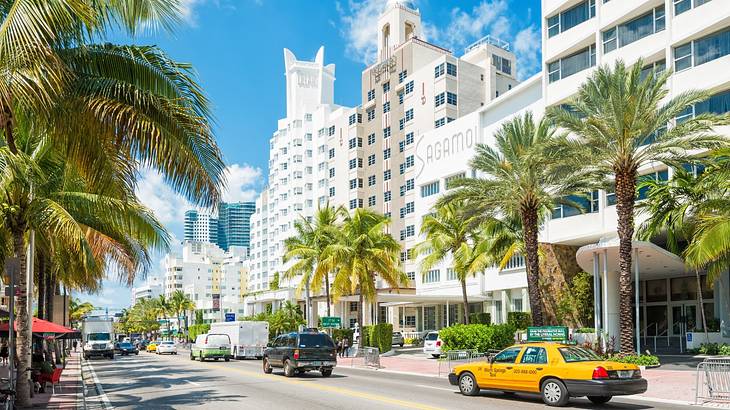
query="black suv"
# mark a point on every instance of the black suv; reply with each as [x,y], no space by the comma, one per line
[301,352]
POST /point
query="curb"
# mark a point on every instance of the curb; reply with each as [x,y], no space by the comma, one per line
[88,370]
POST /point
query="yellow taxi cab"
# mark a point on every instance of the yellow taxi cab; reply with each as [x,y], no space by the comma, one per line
[152,347]
[557,371]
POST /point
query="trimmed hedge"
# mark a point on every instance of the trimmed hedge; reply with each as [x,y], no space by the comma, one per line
[365,335]
[477,337]
[195,330]
[381,336]
[520,320]
[643,360]
[480,318]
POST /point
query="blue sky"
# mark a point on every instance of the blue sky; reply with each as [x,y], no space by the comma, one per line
[236,48]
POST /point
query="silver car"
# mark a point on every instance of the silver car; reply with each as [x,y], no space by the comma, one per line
[398,339]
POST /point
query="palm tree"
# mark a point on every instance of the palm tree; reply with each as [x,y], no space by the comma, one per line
[77,310]
[162,309]
[179,303]
[307,247]
[522,178]
[131,105]
[618,121]
[451,234]
[362,253]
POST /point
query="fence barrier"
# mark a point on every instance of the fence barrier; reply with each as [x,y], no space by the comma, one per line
[450,359]
[713,380]
[366,356]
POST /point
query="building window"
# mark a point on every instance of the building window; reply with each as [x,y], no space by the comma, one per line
[371,139]
[371,114]
[410,321]
[386,175]
[517,305]
[680,6]
[409,114]
[386,196]
[352,120]
[386,107]
[386,153]
[451,274]
[717,104]
[438,71]
[634,30]
[517,261]
[386,132]
[451,69]
[432,276]
[583,204]
[439,99]
[502,64]
[410,184]
[353,163]
[571,17]
[371,201]
[355,142]
[386,87]
[408,209]
[449,181]
[371,159]
[409,87]
[439,123]
[408,232]
[702,51]
[307,117]
[402,76]
[332,172]
[371,95]
[658,176]
[332,191]
[371,180]
[355,203]
[572,64]
[430,189]
[411,275]
[656,67]
[331,131]
[331,153]
[451,98]
[353,306]
[400,97]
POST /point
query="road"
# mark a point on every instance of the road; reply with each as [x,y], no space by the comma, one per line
[174,382]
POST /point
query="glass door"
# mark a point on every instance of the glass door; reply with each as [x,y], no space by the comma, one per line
[684,318]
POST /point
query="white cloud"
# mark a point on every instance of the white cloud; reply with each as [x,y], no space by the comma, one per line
[461,27]
[242,181]
[187,10]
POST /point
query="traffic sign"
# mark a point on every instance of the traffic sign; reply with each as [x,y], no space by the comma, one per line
[333,322]
[230,317]
[547,334]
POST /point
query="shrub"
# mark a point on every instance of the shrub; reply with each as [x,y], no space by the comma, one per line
[519,320]
[642,360]
[366,330]
[381,336]
[480,318]
[195,330]
[585,330]
[410,341]
[477,337]
[714,349]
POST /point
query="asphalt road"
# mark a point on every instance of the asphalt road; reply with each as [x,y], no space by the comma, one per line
[174,382]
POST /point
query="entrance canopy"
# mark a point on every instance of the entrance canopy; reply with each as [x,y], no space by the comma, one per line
[654,262]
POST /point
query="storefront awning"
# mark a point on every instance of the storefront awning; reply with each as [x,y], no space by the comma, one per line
[41,326]
[654,261]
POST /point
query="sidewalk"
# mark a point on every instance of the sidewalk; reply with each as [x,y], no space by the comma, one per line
[69,391]
[664,385]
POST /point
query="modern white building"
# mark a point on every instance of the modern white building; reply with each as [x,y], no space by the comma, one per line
[200,226]
[215,281]
[152,288]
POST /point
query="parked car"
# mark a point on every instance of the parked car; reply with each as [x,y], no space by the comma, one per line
[301,352]
[398,339]
[432,344]
[141,344]
[556,371]
[211,346]
[167,347]
[126,348]
[152,346]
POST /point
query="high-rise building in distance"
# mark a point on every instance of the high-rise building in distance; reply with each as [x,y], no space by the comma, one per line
[230,228]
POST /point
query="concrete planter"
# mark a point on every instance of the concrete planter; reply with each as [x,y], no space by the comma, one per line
[696,339]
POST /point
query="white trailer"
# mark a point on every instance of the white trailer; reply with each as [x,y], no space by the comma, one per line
[248,339]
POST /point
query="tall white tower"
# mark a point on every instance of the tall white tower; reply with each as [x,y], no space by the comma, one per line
[396,25]
[308,83]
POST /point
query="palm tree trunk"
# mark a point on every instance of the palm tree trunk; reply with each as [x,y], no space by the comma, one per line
[308,303]
[625,197]
[50,292]
[41,286]
[530,226]
[22,321]
[466,302]
[327,292]
[6,122]
[702,306]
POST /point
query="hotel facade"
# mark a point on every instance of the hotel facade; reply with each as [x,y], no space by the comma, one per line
[424,110]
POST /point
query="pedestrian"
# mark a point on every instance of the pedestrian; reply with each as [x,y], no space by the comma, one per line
[75,343]
[340,347]
[4,353]
[345,346]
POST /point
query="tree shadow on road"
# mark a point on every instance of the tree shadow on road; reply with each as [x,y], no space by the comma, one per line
[188,398]
[576,403]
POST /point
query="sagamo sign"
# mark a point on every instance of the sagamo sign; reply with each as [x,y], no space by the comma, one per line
[446,142]
[444,147]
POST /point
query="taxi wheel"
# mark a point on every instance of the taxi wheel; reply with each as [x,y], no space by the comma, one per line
[267,366]
[599,399]
[468,385]
[554,393]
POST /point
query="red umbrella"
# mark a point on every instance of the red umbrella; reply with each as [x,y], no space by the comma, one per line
[40,326]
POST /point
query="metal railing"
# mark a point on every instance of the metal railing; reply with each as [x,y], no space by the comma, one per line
[488,40]
[450,359]
[713,380]
[366,356]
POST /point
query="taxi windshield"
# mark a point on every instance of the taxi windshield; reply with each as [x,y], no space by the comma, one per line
[578,354]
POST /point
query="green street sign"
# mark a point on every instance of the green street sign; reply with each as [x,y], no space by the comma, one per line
[547,334]
[333,322]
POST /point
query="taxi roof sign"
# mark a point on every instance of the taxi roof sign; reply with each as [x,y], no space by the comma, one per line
[547,334]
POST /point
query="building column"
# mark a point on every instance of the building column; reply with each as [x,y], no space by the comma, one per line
[505,306]
[636,301]
[596,295]
[610,300]
[722,302]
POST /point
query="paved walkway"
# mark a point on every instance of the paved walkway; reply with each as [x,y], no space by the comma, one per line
[69,391]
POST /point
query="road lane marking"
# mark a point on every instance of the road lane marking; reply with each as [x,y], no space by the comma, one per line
[99,390]
[436,388]
[331,389]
